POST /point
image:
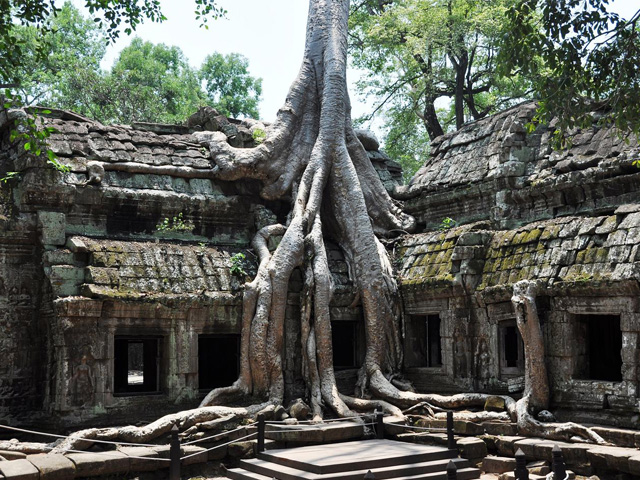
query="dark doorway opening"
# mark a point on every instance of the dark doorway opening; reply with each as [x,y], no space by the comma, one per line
[136,364]
[344,337]
[511,346]
[218,360]
[599,348]
[424,343]
[511,349]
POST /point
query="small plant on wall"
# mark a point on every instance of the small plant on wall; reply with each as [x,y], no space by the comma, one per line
[447,223]
[237,264]
[175,224]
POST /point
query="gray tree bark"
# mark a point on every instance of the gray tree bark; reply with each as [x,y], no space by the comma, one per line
[312,156]
[536,380]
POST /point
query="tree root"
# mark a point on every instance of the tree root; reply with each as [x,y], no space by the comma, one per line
[530,427]
[82,439]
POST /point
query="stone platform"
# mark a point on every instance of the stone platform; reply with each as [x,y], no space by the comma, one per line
[387,459]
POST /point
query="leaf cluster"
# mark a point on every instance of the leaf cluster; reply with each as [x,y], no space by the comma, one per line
[429,66]
[175,224]
[237,264]
[33,136]
[60,67]
[583,59]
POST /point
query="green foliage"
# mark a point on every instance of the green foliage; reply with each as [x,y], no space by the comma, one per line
[228,85]
[237,264]
[9,176]
[259,136]
[26,129]
[430,66]
[581,59]
[175,224]
[71,43]
[111,16]
[151,83]
[41,43]
[406,141]
[447,223]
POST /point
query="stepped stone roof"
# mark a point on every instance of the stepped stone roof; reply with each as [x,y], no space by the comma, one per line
[493,169]
[561,254]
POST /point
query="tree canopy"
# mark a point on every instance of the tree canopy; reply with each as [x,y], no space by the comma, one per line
[146,83]
[113,16]
[430,66]
[580,57]
[61,68]
[229,86]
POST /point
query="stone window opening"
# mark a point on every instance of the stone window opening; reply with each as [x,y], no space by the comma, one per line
[424,341]
[511,349]
[218,360]
[346,344]
[136,365]
[598,348]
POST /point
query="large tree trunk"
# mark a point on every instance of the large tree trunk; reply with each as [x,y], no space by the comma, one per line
[536,381]
[312,156]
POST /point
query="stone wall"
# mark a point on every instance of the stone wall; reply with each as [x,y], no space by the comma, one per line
[85,261]
[494,170]
[133,245]
[569,220]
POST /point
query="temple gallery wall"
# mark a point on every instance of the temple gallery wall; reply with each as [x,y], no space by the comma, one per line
[121,289]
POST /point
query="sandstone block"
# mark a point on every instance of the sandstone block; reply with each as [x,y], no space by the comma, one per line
[195,454]
[494,404]
[505,445]
[241,449]
[97,464]
[11,455]
[472,448]
[21,469]
[634,465]
[53,467]
[139,464]
[52,225]
[493,464]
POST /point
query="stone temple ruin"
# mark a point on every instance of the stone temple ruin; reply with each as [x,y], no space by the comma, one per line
[120,291]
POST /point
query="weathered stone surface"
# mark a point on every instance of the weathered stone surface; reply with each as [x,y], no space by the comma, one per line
[192,454]
[299,409]
[471,448]
[492,464]
[98,464]
[494,404]
[53,467]
[505,445]
[634,465]
[241,449]
[19,470]
[144,461]
[539,467]
[11,455]
[368,140]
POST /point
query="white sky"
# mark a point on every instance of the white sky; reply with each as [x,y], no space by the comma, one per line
[270,33]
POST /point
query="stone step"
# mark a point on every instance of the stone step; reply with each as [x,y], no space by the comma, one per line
[493,464]
[532,476]
[462,474]
[242,474]
[394,471]
[358,455]
[324,433]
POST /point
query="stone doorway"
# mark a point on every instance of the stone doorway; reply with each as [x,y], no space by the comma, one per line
[218,360]
[136,364]
[599,346]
